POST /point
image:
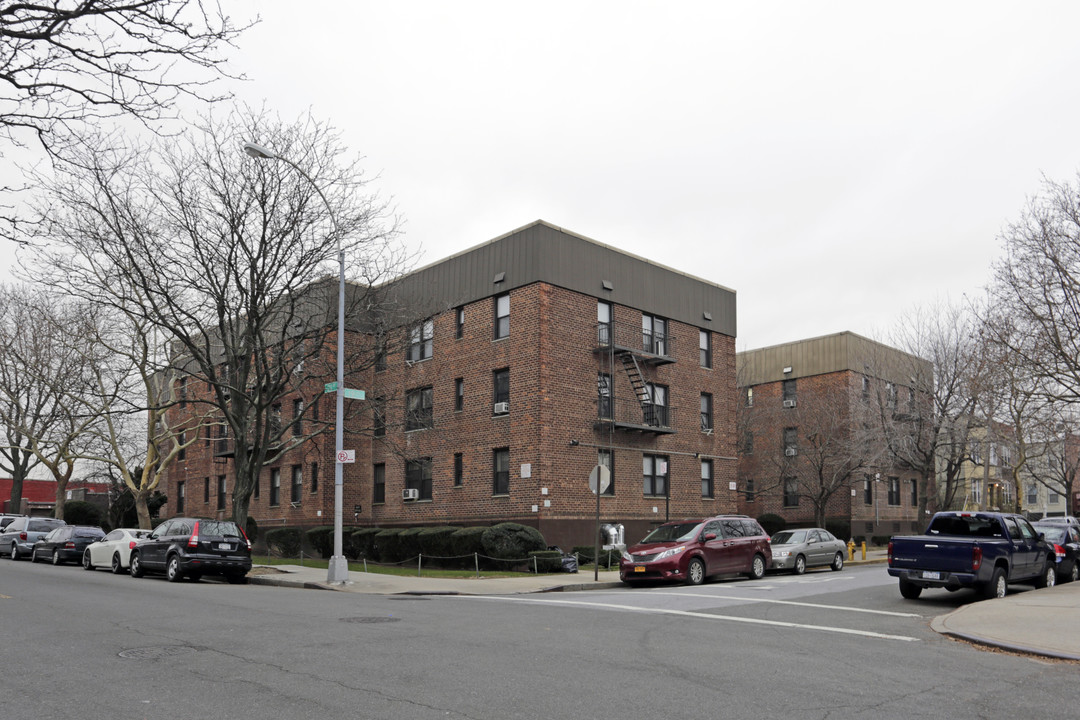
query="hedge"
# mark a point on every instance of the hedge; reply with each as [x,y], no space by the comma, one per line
[285,542]
[608,558]
[547,561]
[251,529]
[467,540]
[771,523]
[840,528]
[362,543]
[511,541]
[409,540]
[79,512]
[388,546]
[435,541]
[322,539]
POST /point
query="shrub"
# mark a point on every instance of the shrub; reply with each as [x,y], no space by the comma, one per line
[362,543]
[435,543]
[387,547]
[409,542]
[322,539]
[840,528]
[880,540]
[466,541]
[771,523]
[284,542]
[511,541]
[547,561]
[251,529]
[78,512]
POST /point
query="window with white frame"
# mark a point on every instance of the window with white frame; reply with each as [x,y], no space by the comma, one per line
[502,316]
[705,348]
[707,478]
[654,470]
[421,341]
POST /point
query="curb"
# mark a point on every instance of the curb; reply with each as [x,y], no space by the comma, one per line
[938,626]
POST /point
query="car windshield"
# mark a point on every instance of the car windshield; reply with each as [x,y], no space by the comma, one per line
[1052,534]
[217,527]
[675,532]
[789,537]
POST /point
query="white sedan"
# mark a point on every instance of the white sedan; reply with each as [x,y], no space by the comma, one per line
[113,550]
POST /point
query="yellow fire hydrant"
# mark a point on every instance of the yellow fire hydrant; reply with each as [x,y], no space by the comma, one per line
[851,549]
[863,549]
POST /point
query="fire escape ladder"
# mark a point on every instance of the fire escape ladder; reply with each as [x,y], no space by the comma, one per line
[633,371]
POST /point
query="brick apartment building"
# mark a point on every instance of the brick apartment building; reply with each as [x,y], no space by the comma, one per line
[807,418]
[540,354]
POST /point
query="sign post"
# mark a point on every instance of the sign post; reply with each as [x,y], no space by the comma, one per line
[599,480]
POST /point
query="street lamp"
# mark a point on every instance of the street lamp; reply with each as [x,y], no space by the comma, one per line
[338,570]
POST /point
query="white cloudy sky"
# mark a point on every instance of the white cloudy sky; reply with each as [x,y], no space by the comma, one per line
[834,163]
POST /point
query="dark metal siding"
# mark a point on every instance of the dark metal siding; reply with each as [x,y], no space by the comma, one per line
[543,253]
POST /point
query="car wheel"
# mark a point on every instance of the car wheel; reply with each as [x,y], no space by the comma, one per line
[241,579]
[117,568]
[800,565]
[838,562]
[136,566]
[998,586]
[1048,578]
[87,565]
[695,572]
[172,569]
[33,556]
[757,568]
[14,551]
[1075,574]
[910,591]
[56,558]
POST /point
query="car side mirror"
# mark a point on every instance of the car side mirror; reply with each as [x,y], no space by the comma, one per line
[709,536]
[151,536]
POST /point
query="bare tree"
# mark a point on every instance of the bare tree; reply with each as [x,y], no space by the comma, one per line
[233,261]
[23,402]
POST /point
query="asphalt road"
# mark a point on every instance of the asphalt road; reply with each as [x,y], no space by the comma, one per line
[77,644]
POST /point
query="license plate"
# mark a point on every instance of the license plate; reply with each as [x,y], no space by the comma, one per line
[224,546]
[639,568]
[931,575]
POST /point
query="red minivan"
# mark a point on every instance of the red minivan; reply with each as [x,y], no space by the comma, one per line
[691,550]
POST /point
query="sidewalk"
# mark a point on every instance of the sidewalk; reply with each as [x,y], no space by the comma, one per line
[1044,622]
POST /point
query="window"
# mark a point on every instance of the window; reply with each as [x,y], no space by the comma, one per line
[418,410]
[380,354]
[865,388]
[976,453]
[603,389]
[459,469]
[459,394]
[704,348]
[791,492]
[420,341]
[418,476]
[706,479]
[749,397]
[993,454]
[275,487]
[274,420]
[654,334]
[459,328]
[790,392]
[258,484]
[656,410]
[181,391]
[378,417]
[297,413]
[314,478]
[502,316]
[748,442]
[706,412]
[182,442]
[914,493]
[911,401]
[1053,497]
[1006,456]
[654,470]
[868,490]
[976,491]
[297,484]
[890,395]
[791,441]
[221,492]
[1032,494]
[603,323]
[180,497]
[605,458]
[501,390]
[894,491]
[206,491]
[748,486]
[500,461]
[378,490]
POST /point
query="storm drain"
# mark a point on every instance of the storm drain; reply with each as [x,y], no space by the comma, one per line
[369,620]
[154,653]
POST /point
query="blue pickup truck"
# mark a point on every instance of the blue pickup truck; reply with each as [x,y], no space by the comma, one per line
[981,550]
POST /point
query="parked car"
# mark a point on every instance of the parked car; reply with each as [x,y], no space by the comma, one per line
[796,550]
[18,538]
[113,550]
[6,520]
[691,550]
[1065,540]
[193,547]
[1065,520]
[65,543]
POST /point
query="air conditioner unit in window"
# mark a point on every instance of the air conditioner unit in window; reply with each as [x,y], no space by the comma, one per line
[502,408]
[789,403]
[410,494]
[791,452]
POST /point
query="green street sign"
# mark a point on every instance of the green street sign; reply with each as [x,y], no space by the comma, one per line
[353,394]
[330,387]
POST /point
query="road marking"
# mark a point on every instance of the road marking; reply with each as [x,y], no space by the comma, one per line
[775,602]
[692,614]
[5,597]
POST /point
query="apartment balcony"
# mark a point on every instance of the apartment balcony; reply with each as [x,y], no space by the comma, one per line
[651,348]
[634,416]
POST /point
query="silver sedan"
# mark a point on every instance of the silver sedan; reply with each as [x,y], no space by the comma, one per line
[796,550]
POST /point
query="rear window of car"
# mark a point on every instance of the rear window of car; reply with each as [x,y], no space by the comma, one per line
[89,532]
[1052,534]
[218,527]
[965,526]
[41,525]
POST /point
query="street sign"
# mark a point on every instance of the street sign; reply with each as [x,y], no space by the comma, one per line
[330,387]
[353,394]
[346,456]
[603,475]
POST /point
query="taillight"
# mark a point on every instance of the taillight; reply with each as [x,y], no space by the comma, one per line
[193,541]
[976,557]
[131,545]
[245,538]
[890,552]
[22,536]
[69,545]
[1059,551]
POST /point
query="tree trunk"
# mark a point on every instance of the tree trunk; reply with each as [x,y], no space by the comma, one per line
[142,510]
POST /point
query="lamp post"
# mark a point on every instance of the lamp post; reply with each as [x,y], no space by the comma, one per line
[338,570]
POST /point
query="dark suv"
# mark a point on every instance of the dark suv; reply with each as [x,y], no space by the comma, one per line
[194,547]
[691,550]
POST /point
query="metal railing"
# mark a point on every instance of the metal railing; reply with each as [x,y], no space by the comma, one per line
[635,339]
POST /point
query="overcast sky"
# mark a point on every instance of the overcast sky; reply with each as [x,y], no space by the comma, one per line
[833,163]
